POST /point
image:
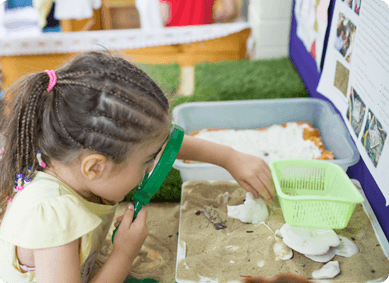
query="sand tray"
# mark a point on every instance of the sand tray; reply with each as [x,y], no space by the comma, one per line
[205,254]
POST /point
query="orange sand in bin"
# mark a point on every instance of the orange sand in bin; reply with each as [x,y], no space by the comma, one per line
[245,249]
[310,133]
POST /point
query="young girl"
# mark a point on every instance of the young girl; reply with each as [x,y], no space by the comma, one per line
[78,140]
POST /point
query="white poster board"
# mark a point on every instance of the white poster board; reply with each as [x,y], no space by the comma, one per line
[355,78]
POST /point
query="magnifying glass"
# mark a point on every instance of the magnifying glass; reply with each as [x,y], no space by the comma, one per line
[153,181]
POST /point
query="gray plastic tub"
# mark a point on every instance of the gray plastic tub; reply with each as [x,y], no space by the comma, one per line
[252,114]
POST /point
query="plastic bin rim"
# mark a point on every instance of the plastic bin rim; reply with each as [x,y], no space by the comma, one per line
[251,101]
[353,159]
[181,164]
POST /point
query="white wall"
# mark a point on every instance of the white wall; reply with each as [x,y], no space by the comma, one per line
[270,22]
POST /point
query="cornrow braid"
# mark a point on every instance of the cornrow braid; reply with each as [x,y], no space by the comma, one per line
[112,136]
[145,108]
[154,86]
[118,76]
[18,140]
[36,93]
[25,140]
[139,72]
[100,102]
[99,113]
[60,121]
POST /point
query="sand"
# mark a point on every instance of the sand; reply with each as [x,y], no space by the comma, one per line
[240,249]
[246,249]
[157,258]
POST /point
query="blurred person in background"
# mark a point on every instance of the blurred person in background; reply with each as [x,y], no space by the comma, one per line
[196,12]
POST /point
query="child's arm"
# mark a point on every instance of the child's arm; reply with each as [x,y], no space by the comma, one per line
[251,172]
[62,264]
[58,264]
[126,245]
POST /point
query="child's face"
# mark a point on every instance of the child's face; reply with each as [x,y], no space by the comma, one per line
[128,175]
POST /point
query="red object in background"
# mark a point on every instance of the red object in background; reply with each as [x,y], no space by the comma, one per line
[190,12]
[313,50]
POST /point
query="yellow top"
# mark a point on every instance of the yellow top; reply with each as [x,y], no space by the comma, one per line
[47,213]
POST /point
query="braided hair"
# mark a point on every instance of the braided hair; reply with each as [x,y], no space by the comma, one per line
[100,102]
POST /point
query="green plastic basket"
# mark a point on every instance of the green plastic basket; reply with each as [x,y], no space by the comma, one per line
[314,193]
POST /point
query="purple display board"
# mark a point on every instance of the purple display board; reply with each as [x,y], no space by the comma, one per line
[305,65]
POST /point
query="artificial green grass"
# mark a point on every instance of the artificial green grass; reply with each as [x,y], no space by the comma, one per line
[233,80]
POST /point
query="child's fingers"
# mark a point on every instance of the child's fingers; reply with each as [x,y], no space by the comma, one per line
[267,180]
[118,220]
[256,186]
[269,186]
[127,217]
[140,225]
[142,215]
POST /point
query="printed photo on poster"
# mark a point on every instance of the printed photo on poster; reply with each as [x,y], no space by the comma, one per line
[356,111]
[373,138]
[349,2]
[345,37]
[355,5]
[341,78]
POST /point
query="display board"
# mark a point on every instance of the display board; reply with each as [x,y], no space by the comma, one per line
[311,74]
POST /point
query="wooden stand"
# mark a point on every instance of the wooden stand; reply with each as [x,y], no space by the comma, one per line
[231,47]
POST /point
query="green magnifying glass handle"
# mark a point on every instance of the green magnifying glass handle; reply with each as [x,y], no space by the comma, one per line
[150,184]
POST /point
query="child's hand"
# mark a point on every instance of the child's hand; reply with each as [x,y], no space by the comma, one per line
[130,236]
[252,173]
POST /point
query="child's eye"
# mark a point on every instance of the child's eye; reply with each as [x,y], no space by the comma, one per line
[151,160]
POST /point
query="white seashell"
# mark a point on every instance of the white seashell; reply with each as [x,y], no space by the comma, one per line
[309,241]
[261,264]
[325,257]
[222,198]
[252,211]
[347,248]
[281,250]
[330,270]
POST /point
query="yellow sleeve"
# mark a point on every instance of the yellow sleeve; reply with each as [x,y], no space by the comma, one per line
[51,222]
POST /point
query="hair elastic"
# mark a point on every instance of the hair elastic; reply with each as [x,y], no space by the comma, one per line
[19,180]
[53,79]
[27,180]
[39,157]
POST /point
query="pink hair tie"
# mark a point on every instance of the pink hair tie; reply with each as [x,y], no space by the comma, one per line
[53,79]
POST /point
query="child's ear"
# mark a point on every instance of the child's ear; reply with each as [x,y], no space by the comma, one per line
[93,165]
